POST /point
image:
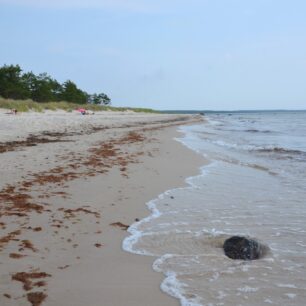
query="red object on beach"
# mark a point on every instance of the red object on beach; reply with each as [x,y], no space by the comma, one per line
[81,110]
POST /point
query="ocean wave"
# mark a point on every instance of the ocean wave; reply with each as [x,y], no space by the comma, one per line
[170,285]
[224,144]
[136,233]
[258,131]
[214,122]
[281,150]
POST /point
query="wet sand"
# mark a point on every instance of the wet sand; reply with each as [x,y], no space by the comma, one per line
[69,191]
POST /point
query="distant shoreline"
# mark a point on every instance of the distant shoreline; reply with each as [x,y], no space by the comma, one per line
[229,111]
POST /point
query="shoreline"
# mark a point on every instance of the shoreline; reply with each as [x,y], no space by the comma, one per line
[77,219]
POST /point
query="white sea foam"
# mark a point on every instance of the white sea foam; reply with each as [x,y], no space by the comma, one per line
[136,233]
[268,301]
[286,286]
[172,285]
[291,295]
[247,289]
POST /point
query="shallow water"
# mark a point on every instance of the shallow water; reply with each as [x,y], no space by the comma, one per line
[253,186]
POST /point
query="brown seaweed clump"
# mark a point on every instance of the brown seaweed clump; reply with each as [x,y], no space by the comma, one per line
[26,278]
[36,298]
[120,225]
[16,255]
[9,237]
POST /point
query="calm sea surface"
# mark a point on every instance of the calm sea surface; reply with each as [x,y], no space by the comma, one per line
[254,185]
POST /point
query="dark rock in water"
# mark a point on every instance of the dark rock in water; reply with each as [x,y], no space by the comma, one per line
[244,248]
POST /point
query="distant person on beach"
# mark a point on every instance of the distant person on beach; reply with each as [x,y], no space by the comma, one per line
[82,111]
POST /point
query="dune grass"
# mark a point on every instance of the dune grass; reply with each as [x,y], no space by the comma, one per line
[29,105]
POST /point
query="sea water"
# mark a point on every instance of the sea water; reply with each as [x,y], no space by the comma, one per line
[254,185]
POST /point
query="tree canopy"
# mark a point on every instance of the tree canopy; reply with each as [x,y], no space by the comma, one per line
[43,88]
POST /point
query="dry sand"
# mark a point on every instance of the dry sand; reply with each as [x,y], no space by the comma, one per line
[70,186]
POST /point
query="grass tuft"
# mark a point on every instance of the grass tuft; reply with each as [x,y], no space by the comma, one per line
[29,105]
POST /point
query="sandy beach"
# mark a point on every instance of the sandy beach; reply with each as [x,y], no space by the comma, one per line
[70,187]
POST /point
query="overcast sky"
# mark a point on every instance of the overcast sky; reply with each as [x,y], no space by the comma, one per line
[165,54]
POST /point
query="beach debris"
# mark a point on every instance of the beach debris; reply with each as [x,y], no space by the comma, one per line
[8,238]
[71,213]
[19,203]
[27,244]
[63,267]
[238,247]
[16,255]
[30,141]
[121,225]
[37,229]
[36,298]
[26,278]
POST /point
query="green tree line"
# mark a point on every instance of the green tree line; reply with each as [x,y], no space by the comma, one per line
[43,88]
